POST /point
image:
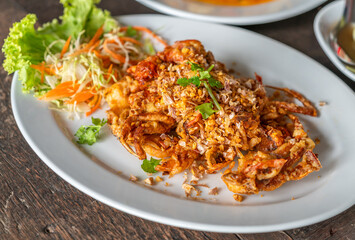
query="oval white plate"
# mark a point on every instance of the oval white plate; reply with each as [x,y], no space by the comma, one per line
[324,23]
[95,170]
[246,15]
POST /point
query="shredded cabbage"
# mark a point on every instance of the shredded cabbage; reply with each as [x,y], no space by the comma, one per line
[26,46]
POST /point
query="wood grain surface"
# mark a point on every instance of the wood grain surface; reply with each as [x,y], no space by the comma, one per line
[37,204]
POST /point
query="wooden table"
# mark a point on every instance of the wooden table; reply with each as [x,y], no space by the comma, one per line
[35,203]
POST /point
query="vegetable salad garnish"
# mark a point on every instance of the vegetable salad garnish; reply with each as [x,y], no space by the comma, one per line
[71,61]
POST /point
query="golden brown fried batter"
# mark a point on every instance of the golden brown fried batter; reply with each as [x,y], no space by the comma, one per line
[157,116]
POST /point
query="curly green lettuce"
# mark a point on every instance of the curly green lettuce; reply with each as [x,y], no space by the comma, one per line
[26,45]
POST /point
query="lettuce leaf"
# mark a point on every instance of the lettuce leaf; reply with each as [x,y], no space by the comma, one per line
[26,46]
[23,47]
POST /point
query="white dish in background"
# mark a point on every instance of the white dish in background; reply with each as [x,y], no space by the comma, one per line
[95,169]
[324,22]
[239,15]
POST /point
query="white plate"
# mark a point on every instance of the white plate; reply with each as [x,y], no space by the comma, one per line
[324,23]
[94,170]
[240,15]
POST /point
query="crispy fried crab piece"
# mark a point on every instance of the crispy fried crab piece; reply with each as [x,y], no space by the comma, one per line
[268,170]
[307,108]
[180,160]
[136,128]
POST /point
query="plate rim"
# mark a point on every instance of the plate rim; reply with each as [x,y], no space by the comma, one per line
[158,218]
[242,21]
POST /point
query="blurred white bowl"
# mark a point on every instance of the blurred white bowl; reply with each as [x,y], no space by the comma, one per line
[324,23]
[240,15]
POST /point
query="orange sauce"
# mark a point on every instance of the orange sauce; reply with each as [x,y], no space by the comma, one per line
[235,2]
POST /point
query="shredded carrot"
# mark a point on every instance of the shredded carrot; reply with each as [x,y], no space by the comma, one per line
[50,70]
[80,51]
[87,48]
[93,101]
[93,109]
[132,40]
[96,37]
[108,75]
[65,47]
[109,71]
[99,55]
[58,94]
[65,84]
[144,29]
[116,56]
[42,73]
[63,90]
[81,97]
[94,42]
[40,68]
[94,46]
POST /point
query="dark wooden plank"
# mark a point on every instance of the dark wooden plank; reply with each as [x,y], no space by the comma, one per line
[341,226]
[262,236]
[50,9]
[36,204]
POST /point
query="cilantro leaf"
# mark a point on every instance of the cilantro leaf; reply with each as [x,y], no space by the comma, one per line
[204,75]
[89,133]
[149,165]
[195,66]
[98,121]
[183,82]
[206,110]
[131,32]
[214,83]
[195,80]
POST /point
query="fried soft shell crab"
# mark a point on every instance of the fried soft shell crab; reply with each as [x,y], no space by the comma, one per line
[152,111]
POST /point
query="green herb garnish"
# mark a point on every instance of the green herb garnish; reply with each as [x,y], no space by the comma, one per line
[208,81]
[215,83]
[209,90]
[131,32]
[89,133]
[195,66]
[195,80]
[149,165]
[183,82]
[206,110]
